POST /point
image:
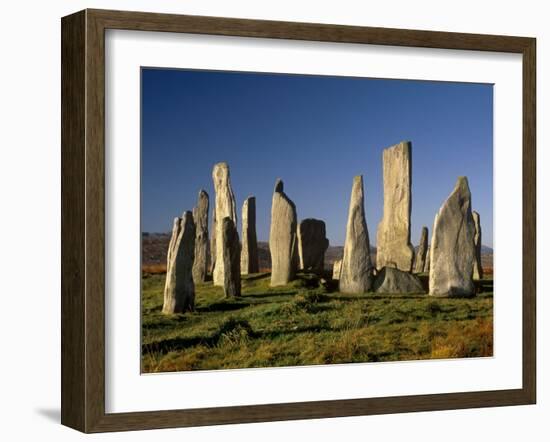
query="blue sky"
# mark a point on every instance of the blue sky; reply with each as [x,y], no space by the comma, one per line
[316,133]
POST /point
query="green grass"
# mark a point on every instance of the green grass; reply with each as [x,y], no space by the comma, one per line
[305,324]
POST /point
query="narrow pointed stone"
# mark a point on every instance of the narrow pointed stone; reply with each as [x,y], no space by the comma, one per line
[225,207]
[179,289]
[282,237]
[201,263]
[393,240]
[249,252]
[478,269]
[452,253]
[312,245]
[420,256]
[231,258]
[356,275]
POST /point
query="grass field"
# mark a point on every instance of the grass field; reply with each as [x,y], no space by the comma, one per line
[306,323]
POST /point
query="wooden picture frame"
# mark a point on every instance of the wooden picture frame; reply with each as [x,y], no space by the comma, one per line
[83,220]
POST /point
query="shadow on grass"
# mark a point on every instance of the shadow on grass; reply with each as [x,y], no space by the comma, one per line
[227,306]
[268,295]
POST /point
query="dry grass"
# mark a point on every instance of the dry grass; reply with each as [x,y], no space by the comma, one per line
[153,269]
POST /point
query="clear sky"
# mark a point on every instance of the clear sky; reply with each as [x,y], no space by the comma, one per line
[316,133]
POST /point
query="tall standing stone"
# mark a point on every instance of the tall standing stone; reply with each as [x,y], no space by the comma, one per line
[249,252]
[282,237]
[225,207]
[420,256]
[393,240]
[356,273]
[478,269]
[201,264]
[213,241]
[179,289]
[452,254]
[312,245]
[231,257]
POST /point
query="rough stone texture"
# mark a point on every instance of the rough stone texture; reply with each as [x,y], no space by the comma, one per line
[179,289]
[478,269]
[231,257]
[312,245]
[393,240]
[420,256]
[282,237]
[249,252]
[201,264]
[390,280]
[225,207]
[356,274]
[336,269]
[452,253]
[213,241]
[427,263]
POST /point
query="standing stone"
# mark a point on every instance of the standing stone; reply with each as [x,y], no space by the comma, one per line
[202,246]
[213,241]
[393,241]
[336,269]
[420,256]
[249,252]
[312,245]
[225,206]
[231,258]
[427,263]
[356,274]
[282,237]
[390,280]
[478,269]
[452,254]
[179,289]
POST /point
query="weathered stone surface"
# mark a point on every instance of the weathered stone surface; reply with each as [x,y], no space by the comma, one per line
[393,240]
[249,252]
[427,263]
[390,280]
[179,289]
[231,257]
[452,253]
[356,274]
[282,237]
[336,269]
[478,269]
[201,264]
[225,207]
[312,245]
[420,255]
[213,241]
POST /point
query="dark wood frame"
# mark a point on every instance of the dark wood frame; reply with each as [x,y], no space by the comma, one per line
[83,216]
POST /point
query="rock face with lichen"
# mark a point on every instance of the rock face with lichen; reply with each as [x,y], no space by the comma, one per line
[179,289]
[393,240]
[202,245]
[225,207]
[312,245]
[249,250]
[390,280]
[356,274]
[478,270]
[452,253]
[420,256]
[282,237]
[231,257]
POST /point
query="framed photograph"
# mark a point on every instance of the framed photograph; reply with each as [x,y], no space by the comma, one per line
[267,220]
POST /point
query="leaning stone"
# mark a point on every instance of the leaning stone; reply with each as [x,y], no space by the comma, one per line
[231,258]
[390,280]
[356,274]
[179,289]
[202,246]
[312,245]
[249,252]
[282,238]
[420,256]
[225,207]
[336,269]
[478,269]
[393,240]
[452,253]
